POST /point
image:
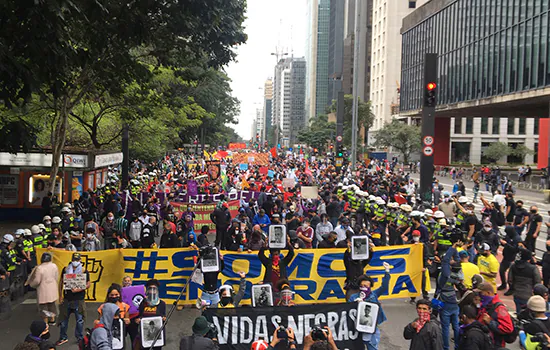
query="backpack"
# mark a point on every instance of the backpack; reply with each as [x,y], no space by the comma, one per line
[511,337]
[499,218]
[86,342]
[487,340]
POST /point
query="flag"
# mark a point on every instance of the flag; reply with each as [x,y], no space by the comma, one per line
[206,155]
[273,152]
[307,171]
[197,276]
[245,184]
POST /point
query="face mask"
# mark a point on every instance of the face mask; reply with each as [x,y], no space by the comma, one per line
[47,223]
[487,229]
[226,301]
[110,217]
[533,211]
[486,300]
[416,239]
[305,226]
[45,336]
[75,263]
[114,300]
[519,206]
[366,291]
[446,200]
[478,305]
[89,235]
[152,294]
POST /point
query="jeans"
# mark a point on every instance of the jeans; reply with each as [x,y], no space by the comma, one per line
[449,316]
[373,340]
[72,307]
[521,304]
[530,242]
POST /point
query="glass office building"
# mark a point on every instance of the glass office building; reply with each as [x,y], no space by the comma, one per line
[486,48]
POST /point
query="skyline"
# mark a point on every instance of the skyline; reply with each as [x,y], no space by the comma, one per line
[268,25]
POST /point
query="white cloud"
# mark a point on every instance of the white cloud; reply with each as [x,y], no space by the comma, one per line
[269,24]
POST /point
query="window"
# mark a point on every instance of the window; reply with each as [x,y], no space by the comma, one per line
[484,125]
[496,126]
[511,126]
[522,122]
[536,122]
[458,125]
[412,4]
[470,125]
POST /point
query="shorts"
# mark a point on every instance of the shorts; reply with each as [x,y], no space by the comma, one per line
[47,310]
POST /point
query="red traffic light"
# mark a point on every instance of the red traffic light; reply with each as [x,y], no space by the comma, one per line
[431,86]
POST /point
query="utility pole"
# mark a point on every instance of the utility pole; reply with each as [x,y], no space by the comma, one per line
[355,106]
[125,156]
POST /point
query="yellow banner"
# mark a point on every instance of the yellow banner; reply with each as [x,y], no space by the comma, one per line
[316,275]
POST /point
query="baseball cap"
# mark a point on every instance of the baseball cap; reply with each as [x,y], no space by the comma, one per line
[260,345]
[463,254]
[416,233]
[540,289]
[76,257]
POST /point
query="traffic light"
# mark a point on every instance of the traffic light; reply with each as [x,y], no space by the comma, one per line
[331,147]
[430,95]
[340,154]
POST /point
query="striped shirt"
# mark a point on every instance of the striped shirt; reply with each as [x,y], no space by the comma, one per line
[120,225]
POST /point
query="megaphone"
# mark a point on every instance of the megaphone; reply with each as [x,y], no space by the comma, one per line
[200,304]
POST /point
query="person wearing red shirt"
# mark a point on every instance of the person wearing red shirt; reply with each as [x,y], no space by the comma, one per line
[305,233]
[494,314]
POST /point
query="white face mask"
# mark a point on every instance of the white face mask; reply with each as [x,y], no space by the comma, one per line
[416,239]
[75,263]
[110,217]
[89,235]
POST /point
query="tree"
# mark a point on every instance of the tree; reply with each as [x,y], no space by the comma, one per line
[318,133]
[365,118]
[521,151]
[62,50]
[402,137]
[496,151]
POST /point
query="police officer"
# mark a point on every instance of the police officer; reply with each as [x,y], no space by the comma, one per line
[19,247]
[403,223]
[442,239]
[8,255]
[47,222]
[28,249]
[37,236]
[56,222]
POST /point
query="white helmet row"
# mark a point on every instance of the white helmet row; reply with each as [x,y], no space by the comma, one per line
[406,208]
[462,200]
[35,229]
[56,220]
[393,205]
[439,214]
[65,210]
[8,238]
[19,232]
[27,233]
[428,212]
[47,218]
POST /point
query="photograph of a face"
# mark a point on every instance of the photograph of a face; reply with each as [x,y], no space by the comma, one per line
[149,329]
[118,334]
[359,247]
[262,295]
[277,236]
[367,314]
[210,262]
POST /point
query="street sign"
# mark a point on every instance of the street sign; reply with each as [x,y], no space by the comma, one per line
[428,140]
[339,162]
[428,151]
[339,138]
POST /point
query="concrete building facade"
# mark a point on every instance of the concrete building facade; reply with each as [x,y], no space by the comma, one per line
[267,110]
[387,17]
[289,87]
[336,49]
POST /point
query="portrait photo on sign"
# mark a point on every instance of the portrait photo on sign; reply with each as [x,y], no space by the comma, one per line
[359,247]
[262,295]
[210,260]
[149,328]
[117,331]
[277,236]
[367,314]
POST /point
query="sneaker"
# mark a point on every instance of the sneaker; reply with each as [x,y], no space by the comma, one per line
[61,342]
[502,287]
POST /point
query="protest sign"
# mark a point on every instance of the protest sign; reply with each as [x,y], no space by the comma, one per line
[74,281]
[192,188]
[289,182]
[270,173]
[309,192]
[133,296]
[243,166]
[202,213]
[316,275]
[263,170]
[239,328]
[213,169]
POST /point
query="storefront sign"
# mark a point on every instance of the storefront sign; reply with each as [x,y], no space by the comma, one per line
[9,189]
[75,160]
[102,160]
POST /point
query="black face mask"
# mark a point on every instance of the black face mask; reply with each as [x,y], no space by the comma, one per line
[226,301]
[548,248]
[114,300]
[533,211]
[45,336]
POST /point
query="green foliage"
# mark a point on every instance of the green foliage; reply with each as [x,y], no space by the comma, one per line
[401,137]
[496,151]
[521,151]
[365,117]
[318,133]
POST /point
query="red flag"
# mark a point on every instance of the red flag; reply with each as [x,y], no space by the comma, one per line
[307,171]
[273,152]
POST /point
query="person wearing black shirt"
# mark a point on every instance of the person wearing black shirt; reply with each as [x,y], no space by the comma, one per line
[510,208]
[521,217]
[221,217]
[334,210]
[73,302]
[268,206]
[533,230]
[487,235]
[152,305]
[509,252]
[329,240]
[210,285]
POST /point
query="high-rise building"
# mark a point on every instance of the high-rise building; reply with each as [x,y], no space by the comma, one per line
[288,98]
[387,16]
[317,57]
[268,110]
[336,49]
[493,81]
[253,130]
[260,123]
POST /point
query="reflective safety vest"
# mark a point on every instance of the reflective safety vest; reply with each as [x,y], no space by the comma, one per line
[38,241]
[391,216]
[402,220]
[28,246]
[459,219]
[380,212]
[443,239]
[12,263]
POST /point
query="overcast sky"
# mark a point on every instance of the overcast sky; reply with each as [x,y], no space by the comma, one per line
[268,24]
